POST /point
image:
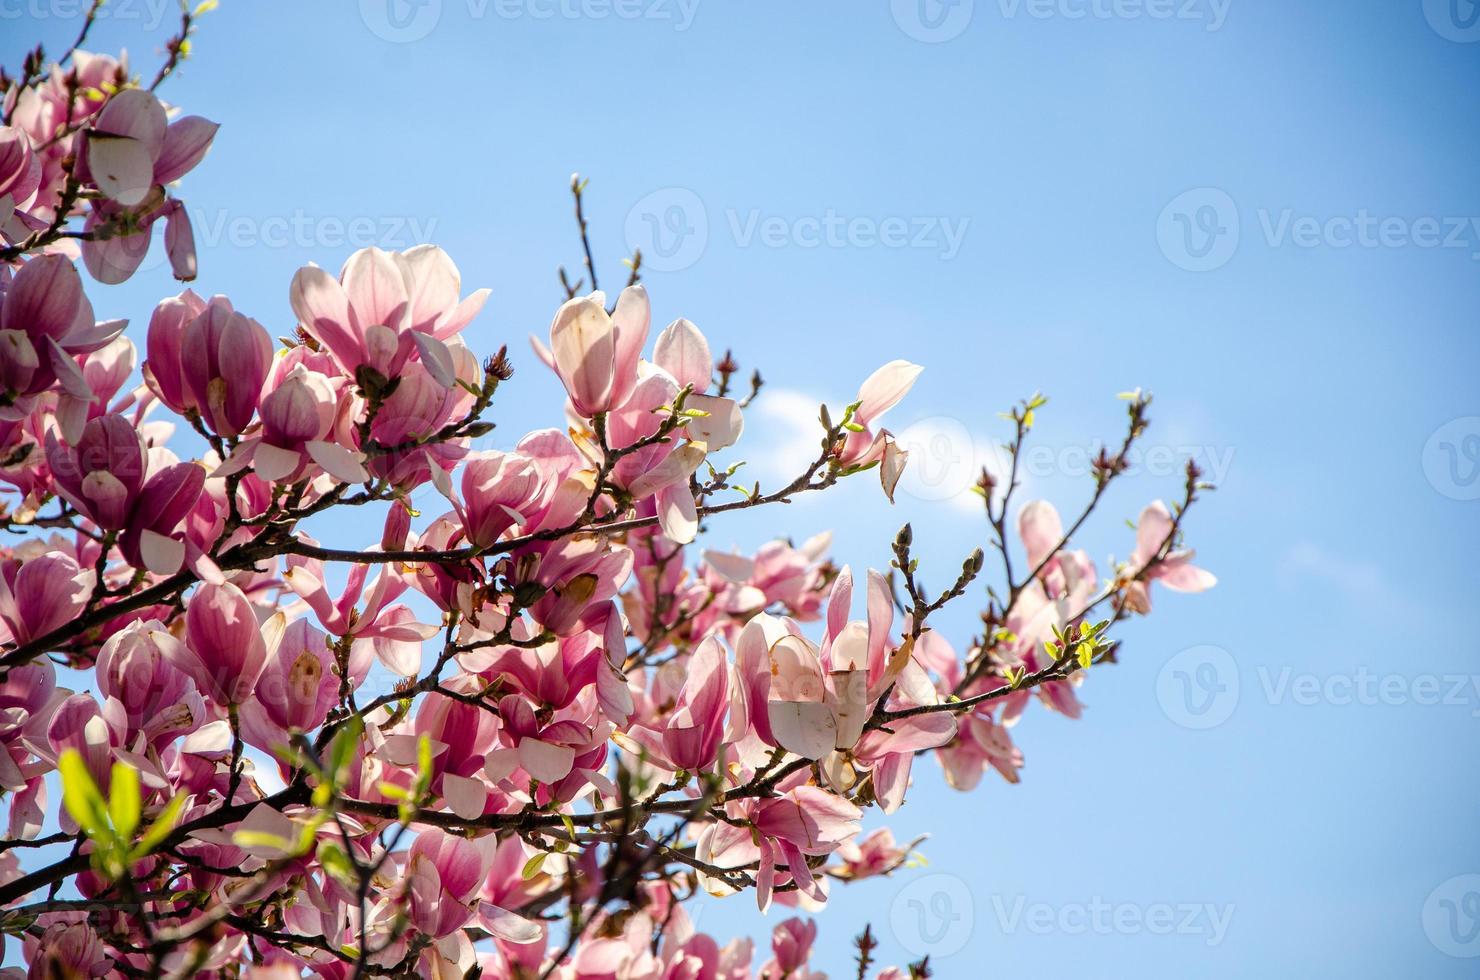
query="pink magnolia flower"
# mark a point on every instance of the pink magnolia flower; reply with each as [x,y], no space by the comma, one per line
[445,874]
[557,672]
[418,408]
[576,573]
[45,321]
[67,947]
[875,854]
[804,820]
[880,392]
[133,147]
[497,491]
[814,702]
[659,470]
[692,730]
[225,651]
[981,743]
[213,363]
[791,942]
[28,699]
[107,478]
[1176,571]
[381,627]
[386,307]
[595,353]
[143,687]
[547,752]
[106,370]
[20,180]
[303,433]
[682,351]
[38,595]
[295,690]
[130,154]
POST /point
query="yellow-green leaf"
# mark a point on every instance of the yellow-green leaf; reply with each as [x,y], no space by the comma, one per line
[162,827]
[80,794]
[125,800]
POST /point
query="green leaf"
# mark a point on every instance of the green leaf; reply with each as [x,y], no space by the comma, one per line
[125,800]
[162,827]
[532,866]
[1086,654]
[338,864]
[80,794]
[343,748]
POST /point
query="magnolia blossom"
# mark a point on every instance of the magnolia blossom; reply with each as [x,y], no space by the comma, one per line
[1175,571]
[508,688]
[132,152]
[385,308]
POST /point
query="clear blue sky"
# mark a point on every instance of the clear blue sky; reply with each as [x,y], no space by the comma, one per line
[1039,162]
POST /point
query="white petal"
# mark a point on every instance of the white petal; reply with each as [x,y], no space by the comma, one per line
[436,358]
[804,727]
[162,555]
[508,926]
[121,167]
[723,425]
[465,796]
[273,463]
[337,461]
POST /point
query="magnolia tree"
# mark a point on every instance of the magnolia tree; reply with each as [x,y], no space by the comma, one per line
[519,727]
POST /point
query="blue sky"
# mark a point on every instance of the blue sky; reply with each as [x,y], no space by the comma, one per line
[1266,213]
